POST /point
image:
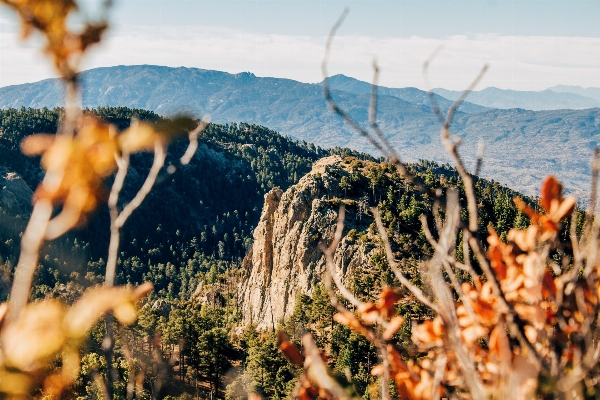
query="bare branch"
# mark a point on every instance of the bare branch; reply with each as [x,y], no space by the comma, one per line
[331,272]
[393,156]
[31,242]
[438,376]
[101,385]
[381,144]
[318,371]
[467,261]
[327,91]
[452,145]
[118,219]
[193,138]
[394,266]
[463,96]
[159,160]
[434,106]
[447,310]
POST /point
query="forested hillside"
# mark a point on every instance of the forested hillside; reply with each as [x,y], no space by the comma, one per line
[189,239]
[207,209]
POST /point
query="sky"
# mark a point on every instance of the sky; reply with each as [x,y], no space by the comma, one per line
[529,45]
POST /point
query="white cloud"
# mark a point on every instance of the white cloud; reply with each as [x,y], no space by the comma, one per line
[516,62]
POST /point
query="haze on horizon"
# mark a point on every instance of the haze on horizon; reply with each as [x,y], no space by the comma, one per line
[530,44]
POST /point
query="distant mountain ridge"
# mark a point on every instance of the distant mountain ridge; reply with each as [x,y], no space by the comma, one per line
[414,95]
[590,92]
[548,99]
[521,146]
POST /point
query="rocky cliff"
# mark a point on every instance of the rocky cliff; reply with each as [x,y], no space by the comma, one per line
[285,259]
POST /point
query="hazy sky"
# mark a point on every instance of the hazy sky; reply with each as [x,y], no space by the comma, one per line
[530,45]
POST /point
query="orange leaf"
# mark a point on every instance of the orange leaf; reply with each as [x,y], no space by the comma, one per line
[499,345]
[395,324]
[348,319]
[548,287]
[289,350]
[551,190]
[37,144]
[386,302]
[495,254]
[525,209]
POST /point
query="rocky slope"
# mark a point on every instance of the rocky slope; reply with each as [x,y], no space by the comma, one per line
[285,259]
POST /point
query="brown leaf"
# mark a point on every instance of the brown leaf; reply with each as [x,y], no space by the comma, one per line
[98,301]
[369,313]
[499,345]
[525,209]
[549,286]
[15,383]
[387,301]
[495,254]
[35,336]
[140,136]
[551,190]
[348,319]
[37,144]
[429,333]
[289,350]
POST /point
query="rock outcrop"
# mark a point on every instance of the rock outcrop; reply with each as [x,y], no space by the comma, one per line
[285,258]
[15,194]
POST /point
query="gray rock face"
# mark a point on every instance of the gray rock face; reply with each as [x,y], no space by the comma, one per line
[15,194]
[285,258]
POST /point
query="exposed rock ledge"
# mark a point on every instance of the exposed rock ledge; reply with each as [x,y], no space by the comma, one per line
[285,258]
[15,195]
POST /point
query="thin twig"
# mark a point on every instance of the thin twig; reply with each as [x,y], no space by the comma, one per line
[115,236]
[327,91]
[159,160]
[318,371]
[101,385]
[329,252]
[331,273]
[384,147]
[393,156]
[193,138]
[438,376]
[394,266]
[451,145]
[444,300]
[467,261]
[434,105]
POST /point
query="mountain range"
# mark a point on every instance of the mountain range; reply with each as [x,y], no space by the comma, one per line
[556,98]
[521,146]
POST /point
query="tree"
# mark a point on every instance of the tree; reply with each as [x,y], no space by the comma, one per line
[345,184]
[215,353]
